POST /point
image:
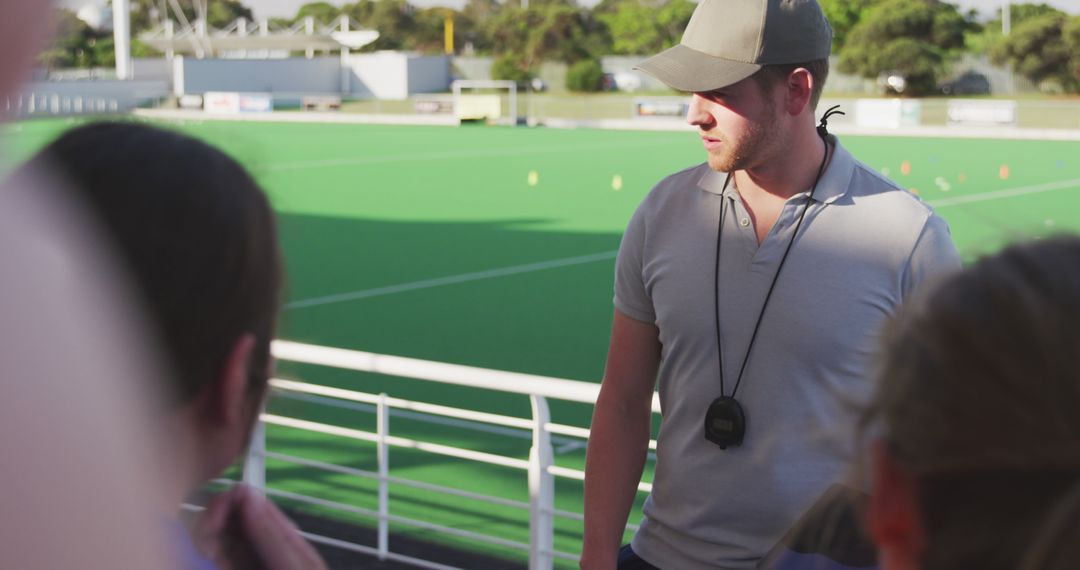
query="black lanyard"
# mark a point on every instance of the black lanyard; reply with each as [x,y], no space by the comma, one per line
[725,421]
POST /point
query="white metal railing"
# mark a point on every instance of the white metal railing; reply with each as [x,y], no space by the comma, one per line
[539,466]
[56,104]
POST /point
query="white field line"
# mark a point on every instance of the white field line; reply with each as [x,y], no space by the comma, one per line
[451,280]
[415,157]
[578,260]
[1007,193]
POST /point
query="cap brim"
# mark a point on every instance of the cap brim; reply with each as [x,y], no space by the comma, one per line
[690,70]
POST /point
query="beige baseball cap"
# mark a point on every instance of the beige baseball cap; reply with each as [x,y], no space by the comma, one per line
[727,41]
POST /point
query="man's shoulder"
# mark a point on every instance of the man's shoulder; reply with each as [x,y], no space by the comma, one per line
[870,188]
[681,184]
[689,176]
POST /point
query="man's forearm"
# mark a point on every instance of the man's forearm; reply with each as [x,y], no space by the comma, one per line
[618,444]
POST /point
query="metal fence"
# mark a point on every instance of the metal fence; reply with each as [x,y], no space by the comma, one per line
[547,107]
[37,104]
[539,465]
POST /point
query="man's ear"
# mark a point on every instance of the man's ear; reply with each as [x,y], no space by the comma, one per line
[893,514]
[800,89]
[232,388]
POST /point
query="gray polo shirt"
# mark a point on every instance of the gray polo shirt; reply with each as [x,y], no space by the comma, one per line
[864,246]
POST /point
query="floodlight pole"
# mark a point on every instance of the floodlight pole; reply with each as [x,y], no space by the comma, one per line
[170,53]
[122,37]
[346,66]
[1006,28]
[448,32]
[309,29]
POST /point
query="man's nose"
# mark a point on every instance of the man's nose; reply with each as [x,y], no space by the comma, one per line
[697,113]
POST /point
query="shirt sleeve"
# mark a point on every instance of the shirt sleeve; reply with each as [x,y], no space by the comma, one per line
[933,256]
[631,295]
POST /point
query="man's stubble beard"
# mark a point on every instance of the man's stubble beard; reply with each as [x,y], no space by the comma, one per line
[751,149]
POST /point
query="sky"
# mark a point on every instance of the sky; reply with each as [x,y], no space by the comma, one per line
[287,8]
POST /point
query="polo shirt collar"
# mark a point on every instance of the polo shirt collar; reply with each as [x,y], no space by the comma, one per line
[834,183]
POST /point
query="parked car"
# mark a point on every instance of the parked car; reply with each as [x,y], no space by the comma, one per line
[967,83]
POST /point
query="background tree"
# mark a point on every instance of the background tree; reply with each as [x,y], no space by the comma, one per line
[643,27]
[631,28]
[322,12]
[585,76]
[76,44]
[984,39]
[146,14]
[913,37]
[843,15]
[473,24]
[1071,32]
[393,19]
[528,36]
[508,67]
[221,13]
[1037,49]
[429,29]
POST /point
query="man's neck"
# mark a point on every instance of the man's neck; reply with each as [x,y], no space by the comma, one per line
[793,170]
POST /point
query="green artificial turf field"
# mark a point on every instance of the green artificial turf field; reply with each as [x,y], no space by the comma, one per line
[494,247]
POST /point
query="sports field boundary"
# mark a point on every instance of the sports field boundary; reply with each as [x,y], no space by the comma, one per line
[647,124]
[452,280]
[1006,133]
[1006,193]
[300,117]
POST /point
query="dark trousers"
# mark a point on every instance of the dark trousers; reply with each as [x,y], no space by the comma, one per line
[629,560]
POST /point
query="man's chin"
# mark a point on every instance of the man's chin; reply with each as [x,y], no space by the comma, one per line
[719,163]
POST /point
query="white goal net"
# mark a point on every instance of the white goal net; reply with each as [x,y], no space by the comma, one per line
[485,100]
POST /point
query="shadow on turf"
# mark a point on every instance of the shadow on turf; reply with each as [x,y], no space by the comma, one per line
[552,322]
[342,559]
[470,514]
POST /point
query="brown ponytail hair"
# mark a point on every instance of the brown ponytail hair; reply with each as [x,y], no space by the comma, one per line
[196,233]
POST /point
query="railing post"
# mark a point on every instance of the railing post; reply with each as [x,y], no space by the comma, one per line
[255,462]
[541,489]
[383,419]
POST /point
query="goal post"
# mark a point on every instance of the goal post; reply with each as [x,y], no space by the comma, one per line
[482,100]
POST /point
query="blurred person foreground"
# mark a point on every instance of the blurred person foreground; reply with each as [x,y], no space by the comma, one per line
[70,357]
[977,464]
[199,238]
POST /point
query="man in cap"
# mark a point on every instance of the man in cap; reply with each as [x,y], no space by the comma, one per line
[751,289]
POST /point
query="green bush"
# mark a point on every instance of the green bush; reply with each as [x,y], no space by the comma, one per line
[508,67]
[585,76]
